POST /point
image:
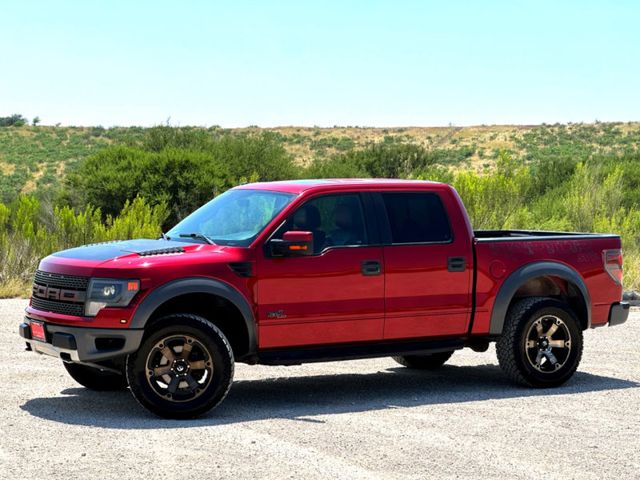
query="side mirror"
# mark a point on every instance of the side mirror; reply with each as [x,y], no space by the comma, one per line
[293,244]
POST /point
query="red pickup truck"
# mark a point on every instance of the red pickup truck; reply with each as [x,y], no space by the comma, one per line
[289,272]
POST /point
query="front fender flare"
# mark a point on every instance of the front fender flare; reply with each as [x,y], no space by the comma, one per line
[527,272]
[185,286]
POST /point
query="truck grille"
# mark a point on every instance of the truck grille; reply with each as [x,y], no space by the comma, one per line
[53,292]
[61,281]
[65,308]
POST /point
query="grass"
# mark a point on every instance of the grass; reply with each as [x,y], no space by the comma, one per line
[33,158]
[15,288]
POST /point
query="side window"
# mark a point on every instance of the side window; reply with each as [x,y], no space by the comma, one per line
[335,220]
[416,218]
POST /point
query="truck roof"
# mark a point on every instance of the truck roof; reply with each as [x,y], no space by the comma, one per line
[299,186]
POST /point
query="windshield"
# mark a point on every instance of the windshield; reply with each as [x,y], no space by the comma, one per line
[234,218]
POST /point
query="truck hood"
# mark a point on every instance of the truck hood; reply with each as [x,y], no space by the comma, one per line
[101,252]
[130,256]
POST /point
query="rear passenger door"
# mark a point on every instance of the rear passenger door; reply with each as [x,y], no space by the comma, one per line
[428,269]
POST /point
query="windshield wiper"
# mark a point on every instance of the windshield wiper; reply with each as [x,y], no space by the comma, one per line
[200,236]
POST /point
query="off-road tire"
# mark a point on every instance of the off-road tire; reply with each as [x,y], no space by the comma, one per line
[94,378]
[219,357]
[431,361]
[512,346]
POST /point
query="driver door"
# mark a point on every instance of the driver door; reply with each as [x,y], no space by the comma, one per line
[336,294]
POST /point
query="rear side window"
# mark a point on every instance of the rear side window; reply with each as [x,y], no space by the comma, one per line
[416,218]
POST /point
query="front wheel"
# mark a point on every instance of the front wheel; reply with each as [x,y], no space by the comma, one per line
[541,344]
[94,378]
[183,369]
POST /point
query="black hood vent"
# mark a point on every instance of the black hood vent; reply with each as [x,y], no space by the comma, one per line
[161,251]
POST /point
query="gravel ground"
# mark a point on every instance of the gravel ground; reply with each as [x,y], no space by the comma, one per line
[357,419]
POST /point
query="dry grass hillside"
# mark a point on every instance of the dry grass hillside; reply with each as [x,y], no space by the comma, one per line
[36,157]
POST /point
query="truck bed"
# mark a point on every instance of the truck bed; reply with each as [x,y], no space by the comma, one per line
[502,253]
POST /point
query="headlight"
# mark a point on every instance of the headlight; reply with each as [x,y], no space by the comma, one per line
[109,292]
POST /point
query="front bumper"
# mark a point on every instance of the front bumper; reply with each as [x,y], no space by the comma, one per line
[79,344]
[618,313]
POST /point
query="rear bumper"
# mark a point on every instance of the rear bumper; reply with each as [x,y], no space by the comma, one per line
[83,344]
[618,313]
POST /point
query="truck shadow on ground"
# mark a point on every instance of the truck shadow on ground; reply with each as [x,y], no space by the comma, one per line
[303,398]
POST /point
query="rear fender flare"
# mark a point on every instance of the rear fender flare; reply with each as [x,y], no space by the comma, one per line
[527,272]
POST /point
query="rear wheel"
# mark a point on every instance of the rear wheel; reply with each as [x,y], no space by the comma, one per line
[430,361]
[94,378]
[541,345]
[183,369]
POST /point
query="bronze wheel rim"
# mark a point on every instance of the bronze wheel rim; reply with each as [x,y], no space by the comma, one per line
[547,344]
[179,368]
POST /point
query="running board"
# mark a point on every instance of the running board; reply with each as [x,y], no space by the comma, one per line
[328,353]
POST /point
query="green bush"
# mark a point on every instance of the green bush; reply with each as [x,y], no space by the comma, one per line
[181,168]
[182,179]
[31,230]
[389,159]
[14,120]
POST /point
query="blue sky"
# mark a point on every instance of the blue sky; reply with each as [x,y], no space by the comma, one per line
[366,63]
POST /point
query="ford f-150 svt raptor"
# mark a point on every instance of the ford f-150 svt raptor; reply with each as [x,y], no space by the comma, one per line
[301,271]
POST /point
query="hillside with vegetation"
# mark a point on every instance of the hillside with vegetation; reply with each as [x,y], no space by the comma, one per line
[38,157]
[64,186]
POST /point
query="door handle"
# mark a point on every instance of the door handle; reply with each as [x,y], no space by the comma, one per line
[371,267]
[456,264]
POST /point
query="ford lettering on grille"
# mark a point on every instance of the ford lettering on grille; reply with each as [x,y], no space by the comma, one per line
[53,293]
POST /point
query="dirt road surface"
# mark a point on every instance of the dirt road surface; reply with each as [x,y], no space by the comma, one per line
[363,419]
